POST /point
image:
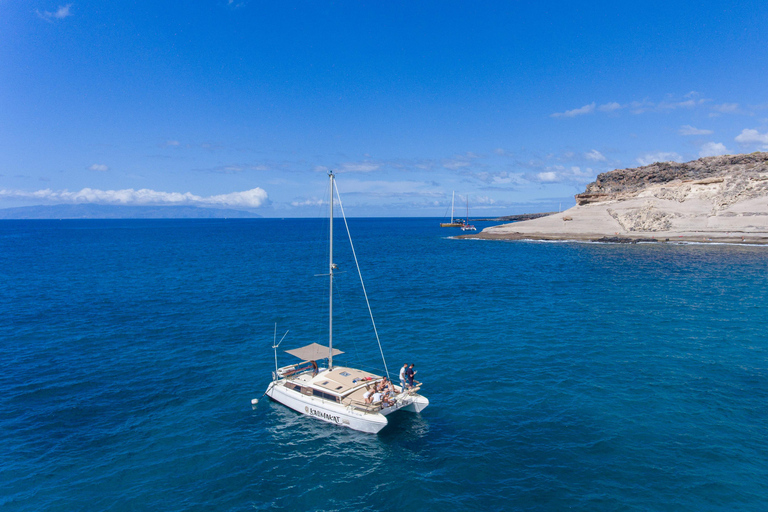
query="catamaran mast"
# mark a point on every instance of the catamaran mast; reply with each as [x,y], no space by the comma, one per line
[467,222]
[330,287]
[453,196]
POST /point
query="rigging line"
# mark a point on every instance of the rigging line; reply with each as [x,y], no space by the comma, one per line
[365,293]
[344,316]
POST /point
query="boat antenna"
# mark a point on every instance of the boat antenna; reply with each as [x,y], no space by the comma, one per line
[275,376]
[276,344]
[365,294]
[330,282]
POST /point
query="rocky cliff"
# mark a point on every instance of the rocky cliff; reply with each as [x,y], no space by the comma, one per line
[719,198]
[739,175]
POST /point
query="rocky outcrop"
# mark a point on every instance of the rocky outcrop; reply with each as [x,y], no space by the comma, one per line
[713,199]
[645,218]
[745,173]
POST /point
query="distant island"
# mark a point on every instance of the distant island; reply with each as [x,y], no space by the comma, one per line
[712,199]
[102,211]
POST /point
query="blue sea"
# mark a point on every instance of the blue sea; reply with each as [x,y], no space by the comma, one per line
[561,376]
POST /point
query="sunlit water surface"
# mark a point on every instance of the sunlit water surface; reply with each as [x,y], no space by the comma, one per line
[561,375]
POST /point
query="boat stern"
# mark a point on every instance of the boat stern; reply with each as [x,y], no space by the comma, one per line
[418,403]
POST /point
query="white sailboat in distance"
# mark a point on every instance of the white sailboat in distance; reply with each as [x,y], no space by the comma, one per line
[453,223]
[466,226]
[335,394]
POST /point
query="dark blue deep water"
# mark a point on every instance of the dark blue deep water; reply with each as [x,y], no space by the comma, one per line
[561,376]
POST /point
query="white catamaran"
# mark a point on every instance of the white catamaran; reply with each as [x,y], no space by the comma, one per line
[336,394]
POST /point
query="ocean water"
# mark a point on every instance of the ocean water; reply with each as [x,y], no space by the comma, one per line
[562,376]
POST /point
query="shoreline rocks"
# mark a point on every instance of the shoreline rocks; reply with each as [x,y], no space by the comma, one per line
[714,199]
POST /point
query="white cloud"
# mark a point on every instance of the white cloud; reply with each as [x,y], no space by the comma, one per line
[559,173]
[713,149]
[99,167]
[578,173]
[171,143]
[690,130]
[499,178]
[237,168]
[308,202]
[61,13]
[359,167]
[749,136]
[595,155]
[673,105]
[547,177]
[455,164]
[726,108]
[389,188]
[250,198]
[586,109]
[609,107]
[652,158]
[459,161]
[482,200]
[639,107]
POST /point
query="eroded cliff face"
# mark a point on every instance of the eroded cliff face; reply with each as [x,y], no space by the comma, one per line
[714,199]
[724,180]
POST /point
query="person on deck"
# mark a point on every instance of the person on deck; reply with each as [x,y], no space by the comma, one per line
[381,397]
[403,378]
[409,373]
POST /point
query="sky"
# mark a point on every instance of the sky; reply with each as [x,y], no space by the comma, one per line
[514,106]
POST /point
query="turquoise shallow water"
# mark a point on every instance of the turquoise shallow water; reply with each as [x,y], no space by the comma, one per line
[560,375]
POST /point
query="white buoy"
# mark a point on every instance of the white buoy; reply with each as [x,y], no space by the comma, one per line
[254,402]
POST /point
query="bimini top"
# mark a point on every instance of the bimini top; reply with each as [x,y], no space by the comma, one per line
[313,352]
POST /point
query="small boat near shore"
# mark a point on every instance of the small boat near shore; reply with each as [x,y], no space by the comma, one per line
[337,394]
[466,226]
[452,224]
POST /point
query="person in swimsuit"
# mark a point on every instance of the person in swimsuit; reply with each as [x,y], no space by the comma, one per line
[368,396]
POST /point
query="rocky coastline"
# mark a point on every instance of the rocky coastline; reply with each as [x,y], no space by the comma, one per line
[517,218]
[720,199]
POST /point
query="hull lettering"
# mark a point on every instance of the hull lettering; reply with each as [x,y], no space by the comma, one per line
[321,414]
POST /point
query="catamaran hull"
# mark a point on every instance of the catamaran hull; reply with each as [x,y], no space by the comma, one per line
[342,415]
[326,411]
[418,404]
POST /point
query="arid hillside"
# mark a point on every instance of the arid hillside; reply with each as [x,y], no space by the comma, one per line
[720,198]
